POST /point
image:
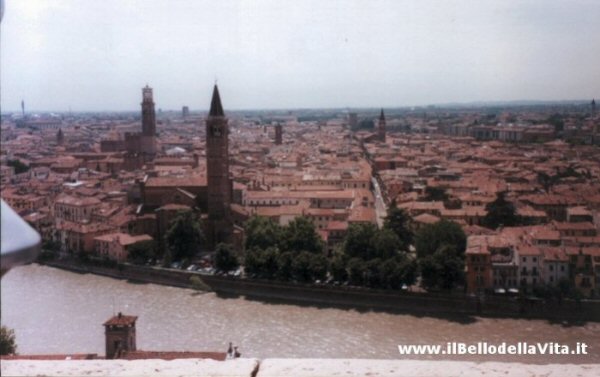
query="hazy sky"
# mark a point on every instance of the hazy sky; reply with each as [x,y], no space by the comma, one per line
[97,55]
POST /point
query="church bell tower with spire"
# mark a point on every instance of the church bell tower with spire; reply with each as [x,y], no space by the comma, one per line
[381,127]
[217,166]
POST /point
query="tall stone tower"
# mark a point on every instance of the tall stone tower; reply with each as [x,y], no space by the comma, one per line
[217,167]
[278,134]
[593,107]
[148,114]
[60,137]
[119,335]
[381,127]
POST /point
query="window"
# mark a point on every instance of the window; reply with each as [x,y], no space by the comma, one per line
[562,268]
[551,268]
[524,259]
[534,259]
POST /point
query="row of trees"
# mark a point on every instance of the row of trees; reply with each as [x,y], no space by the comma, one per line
[368,256]
[291,252]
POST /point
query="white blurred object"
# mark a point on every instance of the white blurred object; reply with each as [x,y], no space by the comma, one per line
[19,243]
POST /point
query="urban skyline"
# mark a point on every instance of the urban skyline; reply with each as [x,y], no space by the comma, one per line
[278,56]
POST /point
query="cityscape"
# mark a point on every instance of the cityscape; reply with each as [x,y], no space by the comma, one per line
[211,232]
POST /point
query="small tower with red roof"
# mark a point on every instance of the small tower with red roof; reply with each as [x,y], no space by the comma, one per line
[120,335]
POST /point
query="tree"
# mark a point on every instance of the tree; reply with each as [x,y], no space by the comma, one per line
[443,233]
[284,266]
[356,271]
[225,259]
[373,273]
[435,194]
[397,220]
[301,267]
[337,268]
[184,236]
[8,344]
[262,263]
[262,232]
[252,262]
[318,267]
[444,269]
[396,272]
[18,165]
[358,241]
[140,252]
[385,244]
[500,212]
[301,235]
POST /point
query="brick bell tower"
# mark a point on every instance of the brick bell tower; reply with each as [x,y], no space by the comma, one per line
[381,127]
[217,166]
[148,114]
[148,137]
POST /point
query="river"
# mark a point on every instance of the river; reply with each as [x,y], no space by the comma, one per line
[56,311]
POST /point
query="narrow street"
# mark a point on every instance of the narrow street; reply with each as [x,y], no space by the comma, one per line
[380,207]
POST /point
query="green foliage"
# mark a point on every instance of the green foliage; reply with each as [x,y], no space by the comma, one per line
[301,235]
[500,212]
[262,263]
[8,344]
[301,267]
[444,269]
[358,241]
[398,221]
[443,233]
[225,259]
[262,232]
[284,266]
[337,267]
[318,267]
[198,284]
[397,272]
[140,252]
[356,271]
[385,244]
[373,273]
[437,194]
[184,236]
[18,165]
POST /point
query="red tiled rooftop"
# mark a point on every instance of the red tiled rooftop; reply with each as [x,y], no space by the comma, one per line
[121,320]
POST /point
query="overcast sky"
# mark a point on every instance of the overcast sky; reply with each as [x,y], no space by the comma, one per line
[97,55]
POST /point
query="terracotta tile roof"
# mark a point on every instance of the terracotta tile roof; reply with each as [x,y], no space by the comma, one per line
[194,180]
[121,320]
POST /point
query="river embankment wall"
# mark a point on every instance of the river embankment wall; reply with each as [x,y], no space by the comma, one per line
[432,304]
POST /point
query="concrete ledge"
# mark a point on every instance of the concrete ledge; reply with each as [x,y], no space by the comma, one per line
[124,368]
[291,368]
[413,368]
